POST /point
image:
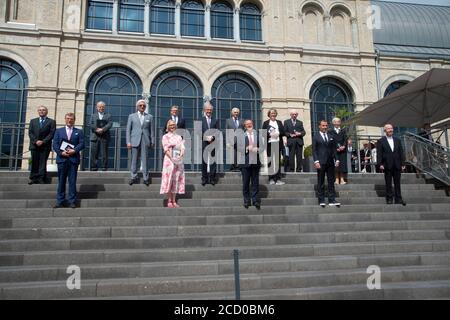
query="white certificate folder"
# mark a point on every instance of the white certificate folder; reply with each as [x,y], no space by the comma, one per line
[65,146]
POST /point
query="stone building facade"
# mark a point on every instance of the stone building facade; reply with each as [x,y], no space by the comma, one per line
[303,44]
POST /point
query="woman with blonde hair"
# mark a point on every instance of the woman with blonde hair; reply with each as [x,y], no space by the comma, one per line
[172,178]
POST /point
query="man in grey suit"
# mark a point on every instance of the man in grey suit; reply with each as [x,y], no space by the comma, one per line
[139,139]
[101,123]
[234,123]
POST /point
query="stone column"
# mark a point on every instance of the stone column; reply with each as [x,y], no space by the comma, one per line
[178,20]
[147,17]
[208,22]
[354,24]
[115,17]
[327,31]
[236,25]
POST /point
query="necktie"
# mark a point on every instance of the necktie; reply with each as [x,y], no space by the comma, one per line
[69,133]
[325,138]
[141,117]
[41,123]
[294,122]
[236,123]
[209,123]
[250,139]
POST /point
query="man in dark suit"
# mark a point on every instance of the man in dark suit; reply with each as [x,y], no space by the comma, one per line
[295,133]
[391,160]
[181,123]
[208,176]
[41,132]
[324,153]
[251,166]
[67,144]
[101,123]
[234,123]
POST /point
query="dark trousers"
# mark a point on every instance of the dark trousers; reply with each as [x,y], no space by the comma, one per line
[39,159]
[101,145]
[66,170]
[328,170]
[250,174]
[295,153]
[388,176]
[211,176]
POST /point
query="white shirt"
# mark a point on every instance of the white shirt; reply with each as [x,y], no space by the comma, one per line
[141,117]
[100,115]
[325,137]
[337,130]
[275,125]
[175,118]
[390,140]
[69,131]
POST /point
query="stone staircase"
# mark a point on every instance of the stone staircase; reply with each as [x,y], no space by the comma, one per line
[129,246]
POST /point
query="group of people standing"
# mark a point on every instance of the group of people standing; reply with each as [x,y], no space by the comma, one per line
[329,152]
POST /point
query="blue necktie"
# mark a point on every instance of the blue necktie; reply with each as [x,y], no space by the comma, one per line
[41,123]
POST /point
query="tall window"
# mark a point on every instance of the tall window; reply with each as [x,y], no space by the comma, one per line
[13,102]
[119,88]
[192,18]
[131,15]
[222,20]
[100,14]
[328,95]
[174,87]
[390,89]
[250,22]
[162,17]
[236,90]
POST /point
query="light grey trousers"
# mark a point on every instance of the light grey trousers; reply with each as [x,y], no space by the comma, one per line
[136,153]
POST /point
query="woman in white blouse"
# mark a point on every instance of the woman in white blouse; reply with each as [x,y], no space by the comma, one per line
[276,138]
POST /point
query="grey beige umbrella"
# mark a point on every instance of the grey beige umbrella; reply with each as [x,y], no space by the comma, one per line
[424,100]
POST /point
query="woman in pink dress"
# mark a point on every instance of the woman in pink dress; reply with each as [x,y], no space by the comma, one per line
[173,181]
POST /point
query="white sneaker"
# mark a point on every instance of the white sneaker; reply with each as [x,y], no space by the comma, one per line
[280,183]
[272,182]
[334,204]
[322,204]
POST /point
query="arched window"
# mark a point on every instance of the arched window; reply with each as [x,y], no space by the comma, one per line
[180,88]
[13,102]
[390,89]
[131,15]
[250,22]
[327,96]
[394,87]
[236,90]
[222,20]
[192,18]
[100,14]
[119,88]
[162,17]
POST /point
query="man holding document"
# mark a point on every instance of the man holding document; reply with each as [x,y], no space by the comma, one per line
[68,143]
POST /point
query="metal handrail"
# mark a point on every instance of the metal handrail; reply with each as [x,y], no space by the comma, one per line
[429,157]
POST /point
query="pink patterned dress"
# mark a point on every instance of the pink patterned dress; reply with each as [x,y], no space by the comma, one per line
[172,174]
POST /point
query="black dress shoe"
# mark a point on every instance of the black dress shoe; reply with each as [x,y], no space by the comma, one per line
[73,205]
[257,205]
[131,182]
[58,206]
[203,183]
[146,182]
[403,203]
[30,182]
[213,183]
[389,202]
[246,205]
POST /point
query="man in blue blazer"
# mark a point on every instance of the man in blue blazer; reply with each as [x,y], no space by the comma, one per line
[68,160]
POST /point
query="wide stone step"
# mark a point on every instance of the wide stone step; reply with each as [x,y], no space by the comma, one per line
[226,180]
[416,290]
[218,211]
[198,187]
[344,218]
[230,202]
[212,194]
[258,250]
[193,284]
[220,267]
[217,230]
